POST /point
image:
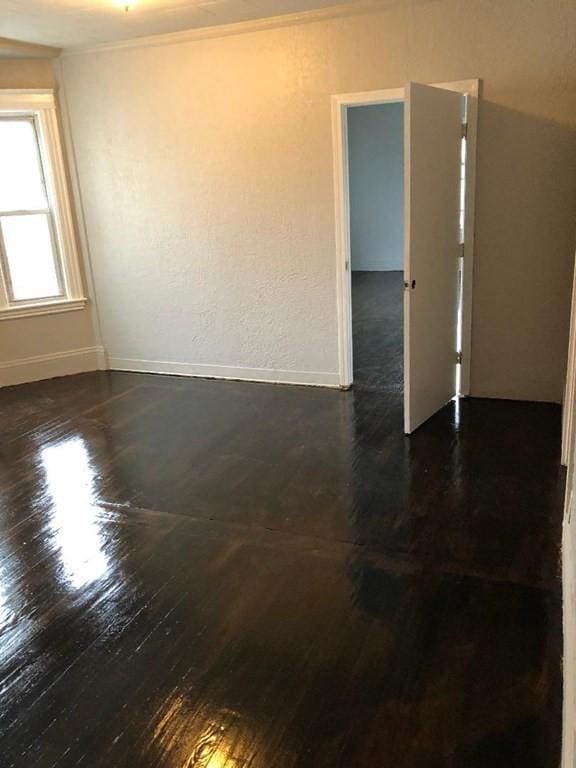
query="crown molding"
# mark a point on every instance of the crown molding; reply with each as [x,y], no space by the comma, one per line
[18,49]
[238,28]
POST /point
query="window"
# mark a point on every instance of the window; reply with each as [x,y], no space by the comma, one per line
[39,271]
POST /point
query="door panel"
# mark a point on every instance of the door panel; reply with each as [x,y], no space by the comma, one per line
[432,181]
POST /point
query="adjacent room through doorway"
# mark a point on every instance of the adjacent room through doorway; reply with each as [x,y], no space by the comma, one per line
[376,189]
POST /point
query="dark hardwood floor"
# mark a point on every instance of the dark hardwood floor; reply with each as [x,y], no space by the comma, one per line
[221,574]
[377,331]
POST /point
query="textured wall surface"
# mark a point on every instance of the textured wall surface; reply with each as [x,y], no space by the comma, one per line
[376,172]
[45,334]
[206,170]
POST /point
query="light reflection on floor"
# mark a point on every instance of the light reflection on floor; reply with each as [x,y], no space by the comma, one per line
[70,482]
[6,609]
[189,734]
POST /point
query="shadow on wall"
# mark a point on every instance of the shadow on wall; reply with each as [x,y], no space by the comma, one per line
[525,236]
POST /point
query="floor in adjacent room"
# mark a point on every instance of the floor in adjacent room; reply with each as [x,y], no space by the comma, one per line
[378,332]
[222,574]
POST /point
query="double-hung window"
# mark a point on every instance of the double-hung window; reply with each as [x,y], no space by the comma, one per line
[39,270]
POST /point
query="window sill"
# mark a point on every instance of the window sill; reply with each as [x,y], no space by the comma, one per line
[42,308]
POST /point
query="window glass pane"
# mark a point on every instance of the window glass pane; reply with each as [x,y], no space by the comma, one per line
[21,181]
[30,256]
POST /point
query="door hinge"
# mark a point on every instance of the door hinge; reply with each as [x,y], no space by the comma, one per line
[347,266]
[462,250]
[458,358]
[464,131]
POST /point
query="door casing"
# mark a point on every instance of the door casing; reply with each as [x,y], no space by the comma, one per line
[340,104]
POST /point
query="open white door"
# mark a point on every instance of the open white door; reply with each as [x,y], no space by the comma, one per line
[433,119]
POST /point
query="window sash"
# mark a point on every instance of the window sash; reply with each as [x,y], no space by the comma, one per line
[57,263]
[33,120]
[40,107]
[46,211]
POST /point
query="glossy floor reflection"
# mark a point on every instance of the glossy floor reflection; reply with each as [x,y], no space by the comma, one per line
[223,574]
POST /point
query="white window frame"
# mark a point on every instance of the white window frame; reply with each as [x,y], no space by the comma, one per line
[40,106]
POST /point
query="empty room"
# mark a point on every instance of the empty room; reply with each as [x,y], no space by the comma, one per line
[287,384]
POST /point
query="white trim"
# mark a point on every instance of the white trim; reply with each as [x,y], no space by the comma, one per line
[26,99]
[201,370]
[365,98]
[570,389]
[76,190]
[339,104]
[236,28]
[342,216]
[473,94]
[56,181]
[569,552]
[51,365]
[18,49]
[407,266]
[42,308]
[378,265]
[41,106]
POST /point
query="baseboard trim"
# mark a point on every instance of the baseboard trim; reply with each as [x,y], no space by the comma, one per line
[375,266]
[49,366]
[235,373]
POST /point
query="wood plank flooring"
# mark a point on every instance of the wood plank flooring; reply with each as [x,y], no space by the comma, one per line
[222,574]
[377,331]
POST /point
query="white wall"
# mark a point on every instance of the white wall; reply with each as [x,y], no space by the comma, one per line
[45,345]
[376,173]
[206,170]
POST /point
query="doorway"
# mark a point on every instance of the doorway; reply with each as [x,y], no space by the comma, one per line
[376,191]
[439,152]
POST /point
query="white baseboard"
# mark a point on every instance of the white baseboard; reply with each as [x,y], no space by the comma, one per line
[376,266]
[569,666]
[94,359]
[270,375]
[51,365]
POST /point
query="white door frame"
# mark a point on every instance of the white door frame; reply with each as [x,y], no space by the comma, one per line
[569,403]
[340,104]
[569,549]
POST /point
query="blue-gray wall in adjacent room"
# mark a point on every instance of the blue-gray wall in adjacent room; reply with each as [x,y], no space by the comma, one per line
[376,169]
